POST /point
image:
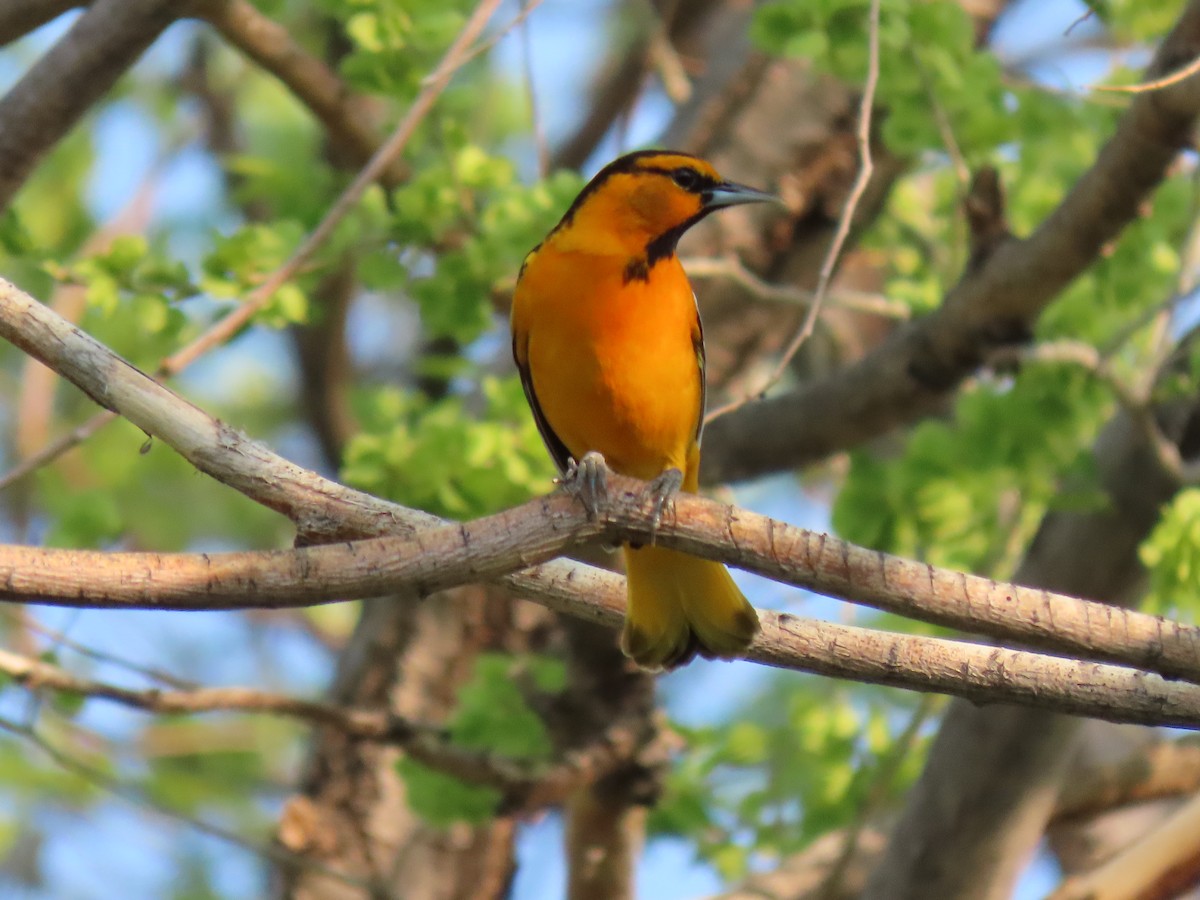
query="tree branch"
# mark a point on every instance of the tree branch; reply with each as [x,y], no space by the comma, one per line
[489,547]
[455,57]
[910,375]
[61,86]
[525,785]
[19,17]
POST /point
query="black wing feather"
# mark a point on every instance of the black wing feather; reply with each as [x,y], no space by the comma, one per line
[558,450]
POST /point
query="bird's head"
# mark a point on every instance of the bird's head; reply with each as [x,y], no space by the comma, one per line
[645,201]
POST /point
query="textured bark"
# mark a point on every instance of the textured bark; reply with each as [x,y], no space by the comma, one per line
[606,821]
[351,812]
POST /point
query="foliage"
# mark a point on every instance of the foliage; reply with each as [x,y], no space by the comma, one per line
[1172,554]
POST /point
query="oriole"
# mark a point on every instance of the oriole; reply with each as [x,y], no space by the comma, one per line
[607,339]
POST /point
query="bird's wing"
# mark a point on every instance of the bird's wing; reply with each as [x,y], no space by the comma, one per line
[558,450]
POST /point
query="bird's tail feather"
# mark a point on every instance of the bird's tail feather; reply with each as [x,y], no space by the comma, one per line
[681,605]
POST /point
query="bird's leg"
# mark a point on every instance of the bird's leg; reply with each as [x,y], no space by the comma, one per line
[587,480]
[662,493]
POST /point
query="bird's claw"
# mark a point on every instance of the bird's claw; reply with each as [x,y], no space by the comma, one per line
[661,492]
[587,479]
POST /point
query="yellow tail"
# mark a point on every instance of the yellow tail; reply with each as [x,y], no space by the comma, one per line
[681,605]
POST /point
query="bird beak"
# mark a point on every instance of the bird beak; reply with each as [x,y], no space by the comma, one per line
[729,193]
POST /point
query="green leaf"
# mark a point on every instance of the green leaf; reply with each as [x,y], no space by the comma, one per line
[442,800]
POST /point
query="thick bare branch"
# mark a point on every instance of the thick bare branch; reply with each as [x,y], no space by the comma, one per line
[1163,862]
[490,547]
[910,375]
[19,17]
[385,565]
[47,102]
[1163,769]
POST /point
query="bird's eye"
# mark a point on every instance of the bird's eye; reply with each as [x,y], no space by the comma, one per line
[688,179]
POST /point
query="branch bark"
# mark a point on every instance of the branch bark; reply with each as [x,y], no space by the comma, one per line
[427,559]
[912,373]
[61,86]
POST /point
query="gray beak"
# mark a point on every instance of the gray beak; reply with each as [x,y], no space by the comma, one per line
[729,193]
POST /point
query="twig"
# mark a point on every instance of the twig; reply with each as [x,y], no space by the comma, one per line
[484,46]
[342,113]
[917,369]
[526,785]
[731,267]
[885,775]
[62,640]
[833,254]
[1156,85]
[454,58]
[962,172]
[1079,20]
[1090,359]
[670,67]
[55,449]
[865,171]
[132,795]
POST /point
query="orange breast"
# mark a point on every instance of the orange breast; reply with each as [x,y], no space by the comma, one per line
[614,365]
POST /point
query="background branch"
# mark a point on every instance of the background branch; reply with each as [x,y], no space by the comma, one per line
[60,87]
[994,303]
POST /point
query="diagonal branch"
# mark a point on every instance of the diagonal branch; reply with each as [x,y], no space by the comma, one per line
[457,55]
[486,549]
[995,302]
[525,785]
[19,17]
[61,86]
[981,673]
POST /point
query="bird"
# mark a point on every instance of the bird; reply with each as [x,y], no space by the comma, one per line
[608,343]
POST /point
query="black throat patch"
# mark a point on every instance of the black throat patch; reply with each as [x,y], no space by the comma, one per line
[637,269]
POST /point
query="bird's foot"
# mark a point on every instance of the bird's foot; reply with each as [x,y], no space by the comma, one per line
[661,493]
[587,480]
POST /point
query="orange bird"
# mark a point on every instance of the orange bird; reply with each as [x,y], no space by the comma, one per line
[607,338]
